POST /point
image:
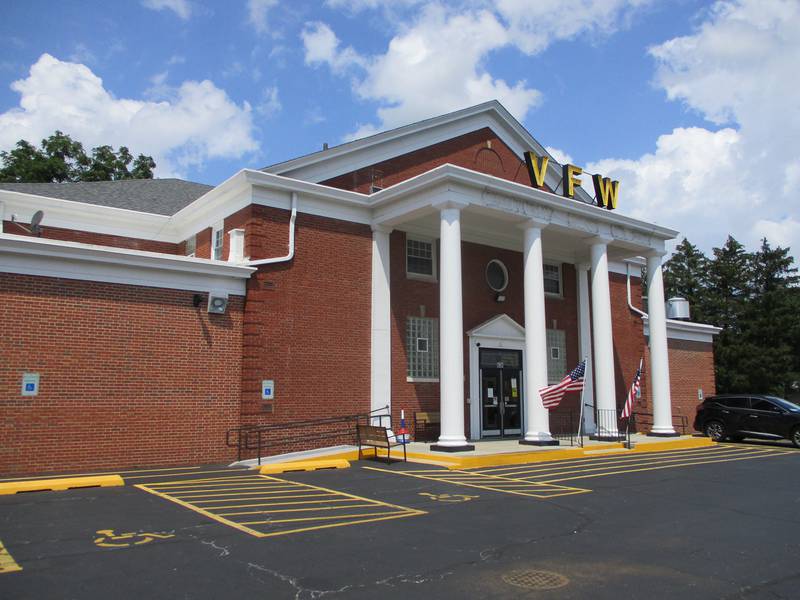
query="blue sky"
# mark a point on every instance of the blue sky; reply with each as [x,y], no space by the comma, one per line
[678,99]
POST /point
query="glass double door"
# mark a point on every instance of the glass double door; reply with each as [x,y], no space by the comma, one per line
[501,392]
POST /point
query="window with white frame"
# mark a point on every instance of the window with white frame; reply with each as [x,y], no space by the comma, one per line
[552,279]
[191,245]
[420,258]
[422,337]
[556,355]
[217,240]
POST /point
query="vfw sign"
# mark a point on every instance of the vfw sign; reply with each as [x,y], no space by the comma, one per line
[606,191]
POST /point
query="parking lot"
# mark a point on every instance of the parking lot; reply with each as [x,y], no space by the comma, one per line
[718,522]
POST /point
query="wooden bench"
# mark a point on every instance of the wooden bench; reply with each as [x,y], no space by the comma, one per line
[426,426]
[378,437]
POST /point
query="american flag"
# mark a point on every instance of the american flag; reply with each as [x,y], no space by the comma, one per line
[572,382]
[632,393]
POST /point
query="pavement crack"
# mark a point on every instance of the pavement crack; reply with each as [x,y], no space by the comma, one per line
[224,551]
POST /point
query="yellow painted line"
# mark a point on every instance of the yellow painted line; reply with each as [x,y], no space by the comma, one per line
[284,503]
[231,491]
[199,510]
[410,513]
[565,470]
[304,465]
[325,518]
[39,485]
[31,477]
[190,482]
[617,458]
[7,562]
[543,487]
[210,485]
[670,466]
[231,471]
[309,495]
[286,510]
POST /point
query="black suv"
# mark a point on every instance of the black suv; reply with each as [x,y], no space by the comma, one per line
[737,416]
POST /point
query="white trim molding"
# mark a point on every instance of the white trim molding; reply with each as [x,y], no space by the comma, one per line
[686,330]
[70,260]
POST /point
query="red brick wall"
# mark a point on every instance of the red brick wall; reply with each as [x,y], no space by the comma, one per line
[100,239]
[479,305]
[480,151]
[130,376]
[306,322]
[629,341]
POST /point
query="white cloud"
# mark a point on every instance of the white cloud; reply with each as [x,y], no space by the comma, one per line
[179,7]
[436,61]
[258,12]
[270,103]
[195,122]
[322,47]
[743,179]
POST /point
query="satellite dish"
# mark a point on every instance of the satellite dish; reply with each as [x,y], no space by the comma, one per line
[36,220]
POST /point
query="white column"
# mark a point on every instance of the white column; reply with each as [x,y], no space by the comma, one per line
[381,342]
[451,333]
[605,384]
[659,354]
[537,417]
[585,336]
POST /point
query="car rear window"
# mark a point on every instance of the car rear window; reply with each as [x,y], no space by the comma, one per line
[734,402]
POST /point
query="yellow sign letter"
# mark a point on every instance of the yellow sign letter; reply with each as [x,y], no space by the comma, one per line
[606,191]
[537,167]
[570,180]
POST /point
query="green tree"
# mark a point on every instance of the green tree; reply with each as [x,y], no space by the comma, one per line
[686,276]
[61,158]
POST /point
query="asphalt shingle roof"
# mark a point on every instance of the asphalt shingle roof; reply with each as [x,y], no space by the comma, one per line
[157,196]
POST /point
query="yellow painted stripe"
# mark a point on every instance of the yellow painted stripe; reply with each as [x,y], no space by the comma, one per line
[30,477]
[326,518]
[616,459]
[284,503]
[237,491]
[285,510]
[39,485]
[190,482]
[411,513]
[309,495]
[531,475]
[671,466]
[210,486]
[230,471]
[7,562]
[199,510]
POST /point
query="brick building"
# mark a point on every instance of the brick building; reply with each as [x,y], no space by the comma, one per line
[418,269]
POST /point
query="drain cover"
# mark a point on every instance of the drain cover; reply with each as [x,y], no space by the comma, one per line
[535,580]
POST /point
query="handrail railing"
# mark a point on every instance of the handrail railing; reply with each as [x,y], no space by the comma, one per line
[682,420]
[257,437]
[564,428]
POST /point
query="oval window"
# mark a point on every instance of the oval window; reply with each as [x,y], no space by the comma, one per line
[496,275]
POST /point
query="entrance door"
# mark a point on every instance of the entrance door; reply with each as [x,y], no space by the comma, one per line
[501,392]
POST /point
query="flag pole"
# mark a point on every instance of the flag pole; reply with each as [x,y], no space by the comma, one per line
[580,417]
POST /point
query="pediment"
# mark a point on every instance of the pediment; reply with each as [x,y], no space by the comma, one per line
[500,326]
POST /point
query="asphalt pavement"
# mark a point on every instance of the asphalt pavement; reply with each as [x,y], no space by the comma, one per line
[717,522]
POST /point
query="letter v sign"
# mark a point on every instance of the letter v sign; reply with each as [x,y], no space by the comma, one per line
[537,167]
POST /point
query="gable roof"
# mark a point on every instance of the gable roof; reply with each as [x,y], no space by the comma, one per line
[350,156]
[156,196]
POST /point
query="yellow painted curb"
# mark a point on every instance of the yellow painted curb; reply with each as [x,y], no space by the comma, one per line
[65,483]
[304,465]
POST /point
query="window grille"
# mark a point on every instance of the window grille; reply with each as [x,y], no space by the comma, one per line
[419,257]
[422,336]
[191,245]
[552,279]
[556,356]
[218,244]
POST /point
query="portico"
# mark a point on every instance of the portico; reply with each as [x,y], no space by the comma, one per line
[455,205]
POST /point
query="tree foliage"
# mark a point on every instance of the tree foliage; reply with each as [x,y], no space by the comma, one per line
[60,159]
[755,298]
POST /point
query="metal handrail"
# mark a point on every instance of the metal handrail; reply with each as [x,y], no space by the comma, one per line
[683,420]
[252,437]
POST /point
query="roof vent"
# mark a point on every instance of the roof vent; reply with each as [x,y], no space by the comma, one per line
[324,146]
[678,309]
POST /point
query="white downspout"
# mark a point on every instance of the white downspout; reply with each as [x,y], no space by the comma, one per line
[290,255]
[630,304]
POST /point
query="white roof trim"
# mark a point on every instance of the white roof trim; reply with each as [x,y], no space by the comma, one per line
[687,330]
[482,329]
[70,260]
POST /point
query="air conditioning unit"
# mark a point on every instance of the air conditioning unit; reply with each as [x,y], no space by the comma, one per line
[217,302]
[678,309]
